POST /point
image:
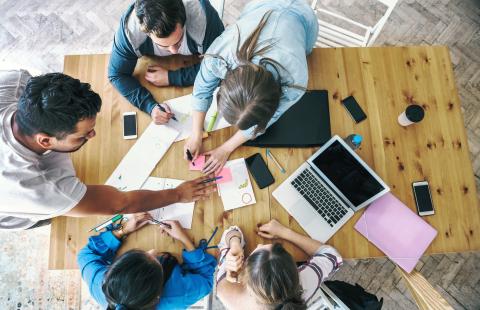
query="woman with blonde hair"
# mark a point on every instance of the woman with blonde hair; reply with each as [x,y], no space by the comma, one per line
[269,277]
[260,66]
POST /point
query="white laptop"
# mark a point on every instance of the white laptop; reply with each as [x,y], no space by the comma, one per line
[326,190]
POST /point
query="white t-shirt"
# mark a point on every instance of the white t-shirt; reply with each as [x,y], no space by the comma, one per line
[32,187]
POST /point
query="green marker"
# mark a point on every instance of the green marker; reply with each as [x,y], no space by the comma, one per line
[212,121]
[108,222]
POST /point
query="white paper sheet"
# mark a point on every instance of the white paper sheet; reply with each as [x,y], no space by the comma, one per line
[142,157]
[239,192]
[182,212]
[182,108]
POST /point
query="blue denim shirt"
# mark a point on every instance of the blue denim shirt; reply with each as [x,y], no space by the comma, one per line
[188,283]
[292,26]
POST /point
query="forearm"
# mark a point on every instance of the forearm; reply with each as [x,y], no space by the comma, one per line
[198,119]
[307,244]
[235,141]
[143,200]
[107,200]
[188,244]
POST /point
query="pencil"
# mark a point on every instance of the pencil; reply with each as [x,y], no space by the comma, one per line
[269,154]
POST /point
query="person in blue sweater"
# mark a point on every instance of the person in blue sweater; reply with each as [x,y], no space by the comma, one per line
[160,28]
[145,280]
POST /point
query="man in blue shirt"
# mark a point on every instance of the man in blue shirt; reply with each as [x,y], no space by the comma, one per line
[143,280]
[160,28]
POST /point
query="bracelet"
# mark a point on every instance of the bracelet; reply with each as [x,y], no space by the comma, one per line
[121,232]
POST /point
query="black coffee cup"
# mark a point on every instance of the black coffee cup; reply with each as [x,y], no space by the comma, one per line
[414,113]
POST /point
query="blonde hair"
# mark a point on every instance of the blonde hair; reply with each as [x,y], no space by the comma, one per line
[250,94]
[273,277]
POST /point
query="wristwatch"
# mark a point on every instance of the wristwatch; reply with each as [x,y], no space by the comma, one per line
[120,233]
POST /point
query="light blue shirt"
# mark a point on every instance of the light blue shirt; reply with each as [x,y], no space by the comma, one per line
[292,26]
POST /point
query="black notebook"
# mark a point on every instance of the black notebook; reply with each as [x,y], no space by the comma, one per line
[305,124]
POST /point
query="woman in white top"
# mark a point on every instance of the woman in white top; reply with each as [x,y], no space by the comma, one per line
[269,277]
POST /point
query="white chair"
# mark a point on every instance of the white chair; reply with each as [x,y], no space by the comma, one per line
[331,35]
[218,5]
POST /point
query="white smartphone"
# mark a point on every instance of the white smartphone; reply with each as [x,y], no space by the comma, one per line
[423,198]
[130,125]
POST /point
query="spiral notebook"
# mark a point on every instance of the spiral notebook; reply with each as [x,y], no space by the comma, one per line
[396,230]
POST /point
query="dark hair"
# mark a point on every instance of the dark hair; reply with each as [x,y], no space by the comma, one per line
[273,277]
[250,94]
[54,103]
[134,281]
[160,17]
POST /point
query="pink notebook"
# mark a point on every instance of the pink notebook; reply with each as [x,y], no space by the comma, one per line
[396,230]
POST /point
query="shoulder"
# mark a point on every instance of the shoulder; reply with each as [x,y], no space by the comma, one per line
[196,20]
[130,30]
[321,265]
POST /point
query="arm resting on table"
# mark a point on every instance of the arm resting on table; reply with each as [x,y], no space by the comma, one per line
[106,200]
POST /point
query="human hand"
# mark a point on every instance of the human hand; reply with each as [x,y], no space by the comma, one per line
[159,117]
[234,261]
[193,145]
[157,75]
[177,232]
[272,230]
[135,222]
[216,159]
[195,189]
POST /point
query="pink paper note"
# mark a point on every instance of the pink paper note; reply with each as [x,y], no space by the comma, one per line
[396,230]
[199,163]
[226,175]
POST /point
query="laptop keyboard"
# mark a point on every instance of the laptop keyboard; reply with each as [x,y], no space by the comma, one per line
[319,197]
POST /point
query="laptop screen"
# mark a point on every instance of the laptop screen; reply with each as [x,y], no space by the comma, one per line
[347,174]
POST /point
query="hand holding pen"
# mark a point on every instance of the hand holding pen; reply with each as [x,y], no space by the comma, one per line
[161,114]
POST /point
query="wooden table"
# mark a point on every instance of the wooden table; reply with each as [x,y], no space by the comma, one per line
[383,80]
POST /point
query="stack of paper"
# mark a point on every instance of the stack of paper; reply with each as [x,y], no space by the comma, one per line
[182,108]
[182,212]
[236,192]
[142,157]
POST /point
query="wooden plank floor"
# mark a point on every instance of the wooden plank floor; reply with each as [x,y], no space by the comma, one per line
[36,36]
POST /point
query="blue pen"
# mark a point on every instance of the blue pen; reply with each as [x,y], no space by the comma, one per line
[211,180]
[269,154]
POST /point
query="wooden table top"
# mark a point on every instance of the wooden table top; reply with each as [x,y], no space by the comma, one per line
[384,81]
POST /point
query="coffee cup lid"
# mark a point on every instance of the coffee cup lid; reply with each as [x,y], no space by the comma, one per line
[415,113]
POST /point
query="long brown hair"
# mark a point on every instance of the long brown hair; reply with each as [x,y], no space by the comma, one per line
[250,94]
[273,278]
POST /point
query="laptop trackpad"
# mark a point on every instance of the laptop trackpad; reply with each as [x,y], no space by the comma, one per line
[304,213]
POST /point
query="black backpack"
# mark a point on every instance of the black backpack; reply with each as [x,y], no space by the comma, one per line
[354,296]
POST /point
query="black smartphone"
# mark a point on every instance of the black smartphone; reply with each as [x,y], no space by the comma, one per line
[259,170]
[354,109]
[130,125]
[423,198]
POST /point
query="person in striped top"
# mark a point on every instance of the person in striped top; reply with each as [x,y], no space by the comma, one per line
[269,278]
